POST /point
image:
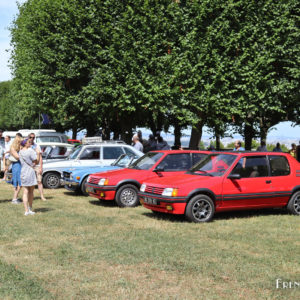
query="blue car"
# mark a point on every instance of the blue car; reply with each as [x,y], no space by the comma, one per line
[74,179]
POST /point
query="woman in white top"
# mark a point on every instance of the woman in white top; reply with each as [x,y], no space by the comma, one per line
[28,160]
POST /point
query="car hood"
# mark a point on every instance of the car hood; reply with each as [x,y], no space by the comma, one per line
[183,181]
[82,171]
[58,164]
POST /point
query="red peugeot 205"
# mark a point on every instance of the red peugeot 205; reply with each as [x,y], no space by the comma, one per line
[122,185]
[227,181]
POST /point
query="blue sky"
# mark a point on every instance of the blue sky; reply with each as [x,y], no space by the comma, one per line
[8,11]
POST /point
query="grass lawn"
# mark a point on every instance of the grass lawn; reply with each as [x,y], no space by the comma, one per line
[80,248]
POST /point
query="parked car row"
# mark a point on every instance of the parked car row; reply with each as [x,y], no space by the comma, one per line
[197,184]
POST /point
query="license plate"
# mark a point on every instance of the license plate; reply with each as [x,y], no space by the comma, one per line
[89,189]
[149,200]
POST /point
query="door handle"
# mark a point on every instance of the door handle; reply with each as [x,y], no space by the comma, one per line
[268,181]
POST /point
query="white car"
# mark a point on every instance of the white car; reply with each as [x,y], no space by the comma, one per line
[100,154]
[55,151]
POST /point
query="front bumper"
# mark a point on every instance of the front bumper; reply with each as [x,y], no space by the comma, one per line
[70,185]
[171,205]
[107,192]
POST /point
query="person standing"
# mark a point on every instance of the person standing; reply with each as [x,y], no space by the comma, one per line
[262,147]
[39,166]
[137,144]
[162,144]
[277,148]
[16,167]
[293,150]
[28,159]
[238,146]
[6,161]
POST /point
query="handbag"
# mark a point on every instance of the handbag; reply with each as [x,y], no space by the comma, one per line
[12,159]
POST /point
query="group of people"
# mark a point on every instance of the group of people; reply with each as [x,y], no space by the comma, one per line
[153,143]
[23,156]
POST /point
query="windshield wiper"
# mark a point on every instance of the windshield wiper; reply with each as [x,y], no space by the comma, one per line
[203,172]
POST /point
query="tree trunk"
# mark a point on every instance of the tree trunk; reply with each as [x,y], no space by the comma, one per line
[74,133]
[90,130]
[248,135]
[218,142]
[126,131]
[196,135]
[177,135]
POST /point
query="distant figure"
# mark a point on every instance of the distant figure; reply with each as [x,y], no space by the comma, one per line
[277,148]
[136,143]
[162,144]
[152,144]
[212,148]
[177,147]
[293,150]
[144,142]
[262,147]
[238,146]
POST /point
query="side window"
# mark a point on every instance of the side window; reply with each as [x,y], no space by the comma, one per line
[129,152]
[252,166]
[196,157]
[176,162]
[90,153]
[59,151]
[279,165]
[112,152]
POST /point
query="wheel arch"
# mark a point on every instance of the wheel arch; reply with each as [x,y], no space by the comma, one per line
[295,189]
[201,191]
[128,181]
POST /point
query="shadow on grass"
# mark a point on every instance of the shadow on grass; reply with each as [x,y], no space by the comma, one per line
[103,203]
[5,201]
[43,209]
[241,214]
[73,194]
[39,198]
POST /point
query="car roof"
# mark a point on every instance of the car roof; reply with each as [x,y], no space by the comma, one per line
[181,151]
[54,144]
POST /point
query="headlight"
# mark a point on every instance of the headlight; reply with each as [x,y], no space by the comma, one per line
[170,192]
[143,187]
[103,181]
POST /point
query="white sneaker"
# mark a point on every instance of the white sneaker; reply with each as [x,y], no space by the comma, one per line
[16,201]
[27,213]
[30,211]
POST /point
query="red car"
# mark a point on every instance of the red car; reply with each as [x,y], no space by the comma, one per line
[227,181]
[123,185]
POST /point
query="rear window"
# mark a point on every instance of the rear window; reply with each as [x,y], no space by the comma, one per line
[279,165]
[176,162]
[47,139]
[112,152]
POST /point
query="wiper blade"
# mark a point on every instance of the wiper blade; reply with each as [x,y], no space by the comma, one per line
[203,172]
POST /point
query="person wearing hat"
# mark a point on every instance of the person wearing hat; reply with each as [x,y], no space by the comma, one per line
[28,159]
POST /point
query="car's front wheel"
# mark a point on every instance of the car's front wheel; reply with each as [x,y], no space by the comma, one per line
[51,180]
[83,188]
[127,196]
[294,204]
[200,209]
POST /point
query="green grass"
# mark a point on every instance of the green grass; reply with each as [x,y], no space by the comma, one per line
[80,248]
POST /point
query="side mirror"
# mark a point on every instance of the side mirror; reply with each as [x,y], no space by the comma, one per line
[158,169]
[234,176]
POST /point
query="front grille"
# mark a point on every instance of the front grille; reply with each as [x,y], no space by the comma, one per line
[66,174]
[93,180]
[154,190]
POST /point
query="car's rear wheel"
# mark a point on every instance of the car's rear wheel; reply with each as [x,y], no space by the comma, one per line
[200,209]
[51,180]
[83,188]
[294,204]
[127,196]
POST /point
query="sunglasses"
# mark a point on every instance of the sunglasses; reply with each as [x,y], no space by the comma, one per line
[32,137]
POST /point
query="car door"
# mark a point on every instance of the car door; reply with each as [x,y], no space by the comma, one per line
[280,179]
[90,156]
[252,189]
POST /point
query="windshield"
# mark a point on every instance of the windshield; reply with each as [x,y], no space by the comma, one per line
[75,152]
[213,165]
[147,161]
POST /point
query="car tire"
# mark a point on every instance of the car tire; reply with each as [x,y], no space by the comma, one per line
[293,206]
[83,188]
[51,180]
[200,209]
[127,196]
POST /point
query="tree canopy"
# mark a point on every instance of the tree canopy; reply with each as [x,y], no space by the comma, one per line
[121,64]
